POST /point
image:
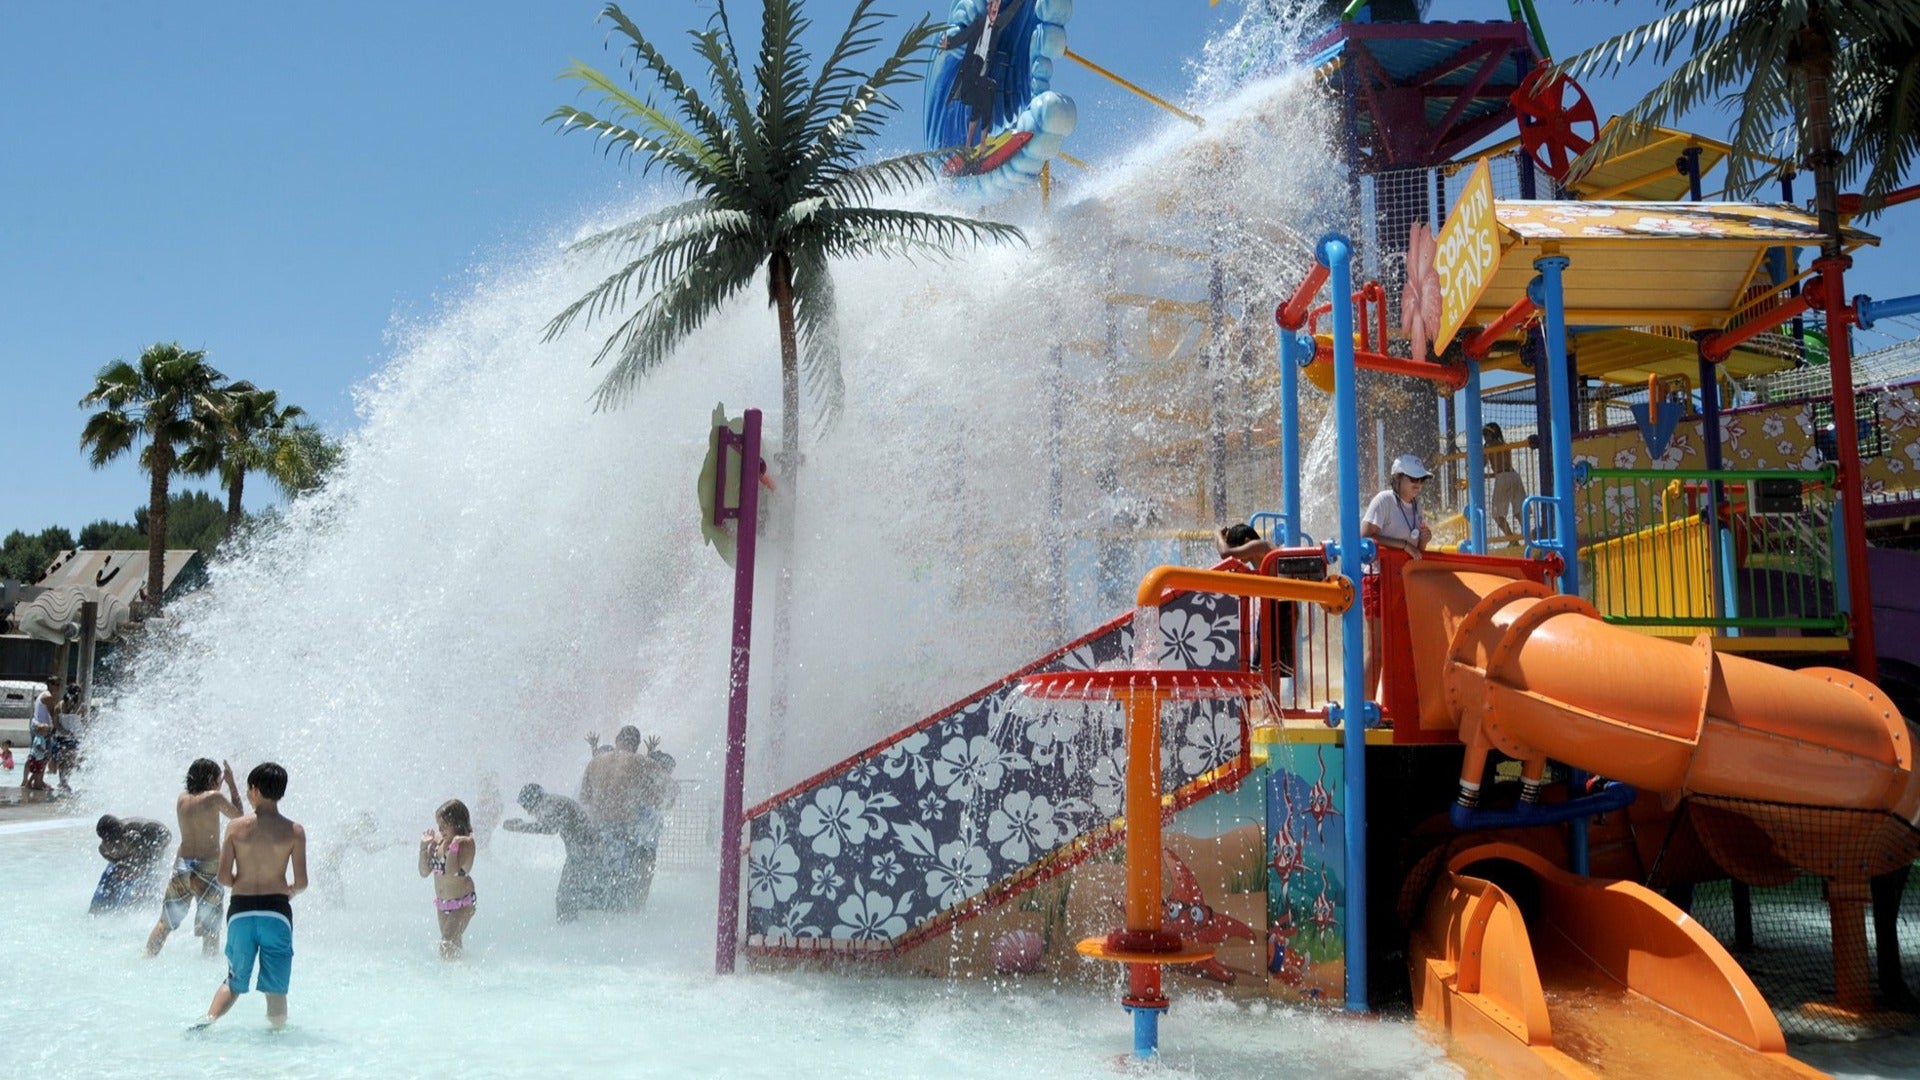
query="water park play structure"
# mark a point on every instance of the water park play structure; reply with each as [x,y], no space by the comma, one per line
[1577,737]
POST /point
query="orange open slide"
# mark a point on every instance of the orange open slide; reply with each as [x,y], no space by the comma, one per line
[1565,976]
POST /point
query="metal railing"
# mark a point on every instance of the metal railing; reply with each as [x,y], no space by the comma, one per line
[1692,550]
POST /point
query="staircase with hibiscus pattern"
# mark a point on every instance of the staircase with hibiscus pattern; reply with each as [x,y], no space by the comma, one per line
[983,800]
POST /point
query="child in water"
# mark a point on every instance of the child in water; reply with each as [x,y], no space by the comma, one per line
[6,754]
[447,855]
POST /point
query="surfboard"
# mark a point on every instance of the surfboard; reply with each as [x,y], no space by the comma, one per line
[994,152]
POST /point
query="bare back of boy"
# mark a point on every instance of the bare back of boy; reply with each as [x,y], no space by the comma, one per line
[259,857]
[200,815]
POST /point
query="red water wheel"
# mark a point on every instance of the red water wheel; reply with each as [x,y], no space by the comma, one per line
[1557,122]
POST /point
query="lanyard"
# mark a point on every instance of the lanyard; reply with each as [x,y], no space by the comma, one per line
[1412,520]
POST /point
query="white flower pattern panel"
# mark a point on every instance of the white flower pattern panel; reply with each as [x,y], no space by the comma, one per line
[939,815]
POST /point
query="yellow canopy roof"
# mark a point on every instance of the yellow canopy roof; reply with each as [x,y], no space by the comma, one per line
[1630,356]
[1644,263]
[1647,165]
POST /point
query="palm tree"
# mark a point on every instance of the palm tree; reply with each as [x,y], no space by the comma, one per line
[1836,80]
[167,399]
[778,182]
[251,435]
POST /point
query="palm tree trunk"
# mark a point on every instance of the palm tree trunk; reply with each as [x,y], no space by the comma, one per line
[157,525]
[233,500]
[787,465]
[1816,73]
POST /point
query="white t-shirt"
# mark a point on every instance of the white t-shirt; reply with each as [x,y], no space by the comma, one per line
[1394,519]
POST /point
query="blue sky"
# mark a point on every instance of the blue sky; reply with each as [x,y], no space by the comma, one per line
[280,184]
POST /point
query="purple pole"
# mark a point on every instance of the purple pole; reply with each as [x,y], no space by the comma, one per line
[726,938]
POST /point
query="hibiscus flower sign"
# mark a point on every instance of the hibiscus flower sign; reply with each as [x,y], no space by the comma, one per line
[1466,255]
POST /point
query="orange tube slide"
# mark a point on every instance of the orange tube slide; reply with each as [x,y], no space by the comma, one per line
[1535,675]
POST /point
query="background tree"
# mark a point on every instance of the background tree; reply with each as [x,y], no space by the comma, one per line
[25,558]
[1832,83]
[164,400]
[779,184]
[248,435]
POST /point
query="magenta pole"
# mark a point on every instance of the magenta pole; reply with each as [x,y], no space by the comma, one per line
[726,939]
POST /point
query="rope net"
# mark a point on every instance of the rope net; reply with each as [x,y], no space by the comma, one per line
[1811,901]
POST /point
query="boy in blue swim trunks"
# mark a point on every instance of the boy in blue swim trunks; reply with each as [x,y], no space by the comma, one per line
[255,860]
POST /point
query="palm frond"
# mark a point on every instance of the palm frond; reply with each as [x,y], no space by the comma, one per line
[842,137]
[649,59]
[668,256]
[838,76]
[859,231]
[860,184]
[1723,52]
[660,138]
[781,77]
[715,46]
[667,318]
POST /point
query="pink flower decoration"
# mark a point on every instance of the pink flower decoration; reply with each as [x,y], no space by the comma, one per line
[1420,300]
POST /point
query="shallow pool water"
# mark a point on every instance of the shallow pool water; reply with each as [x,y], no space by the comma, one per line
[634,997]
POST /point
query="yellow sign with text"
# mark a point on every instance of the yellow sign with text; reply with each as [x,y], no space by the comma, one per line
[1467,254]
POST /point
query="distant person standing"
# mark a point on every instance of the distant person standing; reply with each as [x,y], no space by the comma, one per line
[40,748]
[261,851]
[1393,519]
[614,789]
[196,868]
[1505,491]
[133,848]
[68,722]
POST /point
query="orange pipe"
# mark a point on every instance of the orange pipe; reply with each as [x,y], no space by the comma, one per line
[1483,342]
[1454,377]
[1143,813]
[1335,594]
[1293,314]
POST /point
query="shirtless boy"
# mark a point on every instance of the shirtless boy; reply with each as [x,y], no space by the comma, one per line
[260,850]
[196,873]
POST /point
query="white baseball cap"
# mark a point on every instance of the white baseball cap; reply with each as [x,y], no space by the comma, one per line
[1409,465]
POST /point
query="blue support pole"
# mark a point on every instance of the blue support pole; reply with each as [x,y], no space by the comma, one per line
[1336,254]
[1552,300]
[1476,465]
[1720,560]
[1146,1031]
[1290,436]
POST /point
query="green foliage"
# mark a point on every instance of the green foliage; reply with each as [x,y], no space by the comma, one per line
[1758,59]
[24,558]
[779,178]
[104,535]
[195,519]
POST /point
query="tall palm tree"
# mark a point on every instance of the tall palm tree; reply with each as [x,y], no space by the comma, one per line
[251,435]
[167,399]
[779,182]
[1834,80]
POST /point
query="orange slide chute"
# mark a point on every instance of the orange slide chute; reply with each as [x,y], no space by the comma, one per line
[1587,978]
[1538,676]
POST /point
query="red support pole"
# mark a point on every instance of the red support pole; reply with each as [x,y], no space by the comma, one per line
[1292,315]
[1719,345]
[747,514]
[1840,319]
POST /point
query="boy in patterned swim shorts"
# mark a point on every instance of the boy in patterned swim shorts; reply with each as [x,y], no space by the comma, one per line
[196,872]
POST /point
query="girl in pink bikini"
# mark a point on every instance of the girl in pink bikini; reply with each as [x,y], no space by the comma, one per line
[447,854]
